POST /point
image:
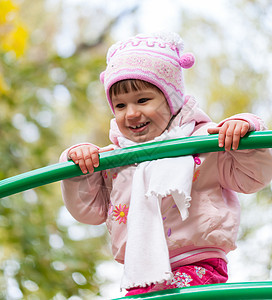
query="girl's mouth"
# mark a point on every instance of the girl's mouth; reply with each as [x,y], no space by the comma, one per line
[139,127]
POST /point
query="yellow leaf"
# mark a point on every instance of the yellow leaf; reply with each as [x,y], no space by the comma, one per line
[16,40]
[7,7]
[3,86]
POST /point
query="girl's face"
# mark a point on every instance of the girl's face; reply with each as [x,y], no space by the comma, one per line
[141,115]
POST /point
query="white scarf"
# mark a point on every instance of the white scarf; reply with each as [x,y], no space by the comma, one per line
[147,256]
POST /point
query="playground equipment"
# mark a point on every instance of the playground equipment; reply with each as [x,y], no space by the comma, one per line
[145,152]
[247,290]
[130,155]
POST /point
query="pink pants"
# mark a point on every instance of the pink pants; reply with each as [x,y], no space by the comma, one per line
[207,271]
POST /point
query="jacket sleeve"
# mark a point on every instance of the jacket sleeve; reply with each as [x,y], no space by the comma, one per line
[245,171]
[86,197]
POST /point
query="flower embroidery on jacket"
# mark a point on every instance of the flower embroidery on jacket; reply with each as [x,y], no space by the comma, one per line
[181,280]
[200,271]
[196,175]
[121,212]
[110,173]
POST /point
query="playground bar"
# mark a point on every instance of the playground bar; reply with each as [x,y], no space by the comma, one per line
[127,156]
[243,290]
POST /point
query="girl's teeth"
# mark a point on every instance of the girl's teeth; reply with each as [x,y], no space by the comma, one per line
[139,126]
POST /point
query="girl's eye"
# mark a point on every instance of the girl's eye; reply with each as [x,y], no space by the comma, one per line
[143,100]
[120,105]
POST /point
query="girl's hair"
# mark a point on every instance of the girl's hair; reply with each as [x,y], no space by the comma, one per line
[130,85]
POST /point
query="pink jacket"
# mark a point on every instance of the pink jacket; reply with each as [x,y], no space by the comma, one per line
[214,215]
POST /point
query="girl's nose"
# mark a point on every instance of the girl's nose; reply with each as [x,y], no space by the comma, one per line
[132,112]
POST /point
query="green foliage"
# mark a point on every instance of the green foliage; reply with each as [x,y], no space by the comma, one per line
[45,102]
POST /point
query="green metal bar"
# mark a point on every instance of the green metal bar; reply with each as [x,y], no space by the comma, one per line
[247,290]
[127,156]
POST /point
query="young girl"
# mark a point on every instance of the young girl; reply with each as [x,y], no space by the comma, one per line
[172,221]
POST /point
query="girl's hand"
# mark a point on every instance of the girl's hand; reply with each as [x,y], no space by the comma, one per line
[230,133]
[87,157]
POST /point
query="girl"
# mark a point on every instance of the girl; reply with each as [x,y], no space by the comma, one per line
[172,221]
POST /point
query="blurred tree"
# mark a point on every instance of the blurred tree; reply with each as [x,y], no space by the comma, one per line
[232,72]
[46,100]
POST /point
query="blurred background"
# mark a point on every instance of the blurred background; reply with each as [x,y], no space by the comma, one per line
[51,55]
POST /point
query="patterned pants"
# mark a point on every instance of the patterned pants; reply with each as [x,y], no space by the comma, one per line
[207,271]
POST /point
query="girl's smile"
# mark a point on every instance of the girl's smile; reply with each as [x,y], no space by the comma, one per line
[139,126]
[141,115]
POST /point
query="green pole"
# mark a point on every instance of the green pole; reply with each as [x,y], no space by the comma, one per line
[127,156]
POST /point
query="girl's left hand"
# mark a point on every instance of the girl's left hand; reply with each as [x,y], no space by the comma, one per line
[230,133]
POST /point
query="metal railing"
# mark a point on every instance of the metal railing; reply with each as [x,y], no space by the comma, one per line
[127,156]
[227,291]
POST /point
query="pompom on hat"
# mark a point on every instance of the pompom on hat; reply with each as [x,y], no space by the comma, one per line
[155,58]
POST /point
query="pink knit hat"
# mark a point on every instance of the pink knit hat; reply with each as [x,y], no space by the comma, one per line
[155,58]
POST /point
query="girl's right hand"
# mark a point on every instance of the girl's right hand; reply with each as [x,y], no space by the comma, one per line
[87,157]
